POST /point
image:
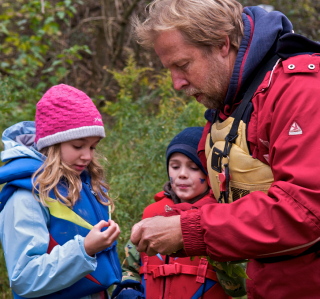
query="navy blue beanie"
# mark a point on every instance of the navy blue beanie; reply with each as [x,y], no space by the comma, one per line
[186,142]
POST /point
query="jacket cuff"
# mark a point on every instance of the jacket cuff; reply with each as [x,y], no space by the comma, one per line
[91,259]
[192,233]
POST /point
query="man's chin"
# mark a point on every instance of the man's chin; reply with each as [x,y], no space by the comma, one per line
[208,104]
[211,103]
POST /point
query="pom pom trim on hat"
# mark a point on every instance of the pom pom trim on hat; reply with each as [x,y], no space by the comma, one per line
[76,133]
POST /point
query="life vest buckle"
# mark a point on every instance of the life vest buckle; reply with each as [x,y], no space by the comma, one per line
[216,159]
[202,270]
[166,270]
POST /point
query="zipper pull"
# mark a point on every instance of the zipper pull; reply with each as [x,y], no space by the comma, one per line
[89,186]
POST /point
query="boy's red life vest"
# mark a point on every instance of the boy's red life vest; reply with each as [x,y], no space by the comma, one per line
[167,277]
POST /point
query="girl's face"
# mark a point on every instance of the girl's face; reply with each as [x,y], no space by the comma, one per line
[78,153]
[186,178]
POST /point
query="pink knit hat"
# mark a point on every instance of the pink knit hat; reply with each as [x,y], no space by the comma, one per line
[65,113]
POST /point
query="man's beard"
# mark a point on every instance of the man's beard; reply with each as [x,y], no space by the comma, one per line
[214,89]
[211,102]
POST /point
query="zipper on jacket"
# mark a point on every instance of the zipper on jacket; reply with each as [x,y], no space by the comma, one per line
[95,202]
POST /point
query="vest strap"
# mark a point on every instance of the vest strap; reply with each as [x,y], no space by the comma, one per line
[200,271]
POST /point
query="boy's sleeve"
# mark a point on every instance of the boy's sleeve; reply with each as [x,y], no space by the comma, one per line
[131,264]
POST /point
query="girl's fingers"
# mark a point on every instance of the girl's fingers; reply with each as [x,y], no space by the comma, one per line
[100,225]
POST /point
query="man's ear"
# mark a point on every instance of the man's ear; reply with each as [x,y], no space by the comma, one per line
[225,47]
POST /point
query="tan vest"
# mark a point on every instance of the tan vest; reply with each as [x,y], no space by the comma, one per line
[246,173]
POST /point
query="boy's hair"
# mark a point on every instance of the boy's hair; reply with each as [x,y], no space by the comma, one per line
[204,23]
[54,171]
[186,142]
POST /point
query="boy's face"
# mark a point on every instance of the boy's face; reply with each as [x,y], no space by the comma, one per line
[186,178]
[78,153]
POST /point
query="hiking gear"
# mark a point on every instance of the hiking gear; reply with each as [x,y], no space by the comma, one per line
[173,277]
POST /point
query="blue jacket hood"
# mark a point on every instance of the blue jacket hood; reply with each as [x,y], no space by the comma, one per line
[21,157]
[18,142]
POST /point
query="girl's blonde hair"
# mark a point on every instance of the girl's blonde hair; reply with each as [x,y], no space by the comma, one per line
[54,172]
[204,23]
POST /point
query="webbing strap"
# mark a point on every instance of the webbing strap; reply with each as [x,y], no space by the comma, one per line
[233,134]
[200,271]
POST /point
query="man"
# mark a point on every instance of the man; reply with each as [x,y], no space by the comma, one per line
[262,155]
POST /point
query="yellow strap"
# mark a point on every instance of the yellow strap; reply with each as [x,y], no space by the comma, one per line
[61,211]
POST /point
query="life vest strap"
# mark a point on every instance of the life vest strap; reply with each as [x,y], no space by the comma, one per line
[200,271]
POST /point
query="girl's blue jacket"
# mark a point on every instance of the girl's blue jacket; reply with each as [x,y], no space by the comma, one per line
[43,246]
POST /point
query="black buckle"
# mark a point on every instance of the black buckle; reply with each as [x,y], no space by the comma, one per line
[216,159]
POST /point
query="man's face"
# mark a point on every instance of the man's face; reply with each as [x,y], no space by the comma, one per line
[204,75]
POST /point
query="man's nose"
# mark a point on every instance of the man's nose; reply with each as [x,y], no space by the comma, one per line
[178,80]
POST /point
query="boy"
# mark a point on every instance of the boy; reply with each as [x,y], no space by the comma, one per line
[162,276]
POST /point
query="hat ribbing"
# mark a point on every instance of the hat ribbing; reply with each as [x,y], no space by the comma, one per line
[186,142]
[65,113]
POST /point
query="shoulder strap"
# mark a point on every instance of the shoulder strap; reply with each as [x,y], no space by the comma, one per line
[233,134]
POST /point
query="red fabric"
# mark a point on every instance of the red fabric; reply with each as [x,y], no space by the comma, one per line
[287,220]
[177,278]
[157,208]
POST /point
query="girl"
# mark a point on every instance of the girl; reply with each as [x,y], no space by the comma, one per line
[55,229]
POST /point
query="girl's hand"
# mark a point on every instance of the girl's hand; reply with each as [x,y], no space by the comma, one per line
[98,240]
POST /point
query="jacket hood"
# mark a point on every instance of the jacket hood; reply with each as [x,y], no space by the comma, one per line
[262,30]
[21,157]
[18,142]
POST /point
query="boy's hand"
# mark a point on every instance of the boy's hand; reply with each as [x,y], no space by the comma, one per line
[98,240]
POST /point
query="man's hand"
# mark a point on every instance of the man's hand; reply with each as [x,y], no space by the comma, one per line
[158,235]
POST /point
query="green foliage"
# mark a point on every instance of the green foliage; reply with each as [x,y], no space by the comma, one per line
[4,285]
[17,101]
[31,45]
[232,269]
[304,14]
[135,146]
